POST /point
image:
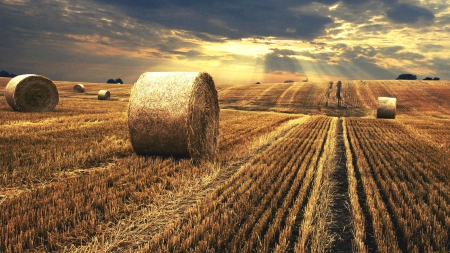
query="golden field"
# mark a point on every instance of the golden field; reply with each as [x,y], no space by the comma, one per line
[294,173]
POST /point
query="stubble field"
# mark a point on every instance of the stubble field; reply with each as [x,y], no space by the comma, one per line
[294,173]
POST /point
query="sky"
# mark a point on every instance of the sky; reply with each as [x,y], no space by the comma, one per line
[236,42]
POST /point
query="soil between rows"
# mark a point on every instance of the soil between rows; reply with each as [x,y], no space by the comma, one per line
[341,225]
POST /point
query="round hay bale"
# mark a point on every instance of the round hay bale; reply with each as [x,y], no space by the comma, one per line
[104,95]
[174,114]
[31,93]
[78,88]
[387,108]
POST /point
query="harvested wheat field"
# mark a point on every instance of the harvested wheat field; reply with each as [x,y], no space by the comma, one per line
[293,173]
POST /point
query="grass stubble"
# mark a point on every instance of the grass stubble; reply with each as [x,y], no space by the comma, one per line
[70,181]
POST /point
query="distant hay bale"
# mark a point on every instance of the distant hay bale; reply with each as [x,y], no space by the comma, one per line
[174,114]
[78,88]
[104,95]
[31,93]
[387,108]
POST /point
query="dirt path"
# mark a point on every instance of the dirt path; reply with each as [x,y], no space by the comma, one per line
[341,227]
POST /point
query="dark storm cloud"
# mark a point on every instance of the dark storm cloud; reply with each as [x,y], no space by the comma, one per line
[355,1]
[408,14]
[113,34]
[393,15]
[56,38]
[50,21]
[230,19]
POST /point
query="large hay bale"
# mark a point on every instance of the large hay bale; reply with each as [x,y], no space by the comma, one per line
[78,88]
[174,114]
[31,93]
[387,108]
[104,95]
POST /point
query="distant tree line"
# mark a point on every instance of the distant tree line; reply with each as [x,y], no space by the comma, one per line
[116,81]
[414,77]
[6,74]
[429,78]
[406,77]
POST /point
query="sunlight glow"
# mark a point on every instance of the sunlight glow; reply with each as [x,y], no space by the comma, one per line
[334,7]
[244,47]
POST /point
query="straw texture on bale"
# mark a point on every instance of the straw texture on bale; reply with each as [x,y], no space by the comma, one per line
[387,108]
[31,93]
[104,95]
[78,88]
[174,114]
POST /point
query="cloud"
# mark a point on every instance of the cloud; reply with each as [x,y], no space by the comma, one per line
[410,56]
[229,19]
[90,39]
[280,61]
[370,70]
[349,53]
[399,53]
[352,2]
[389,51]
[432,48]
[409,14]
[442,67]
[283,52]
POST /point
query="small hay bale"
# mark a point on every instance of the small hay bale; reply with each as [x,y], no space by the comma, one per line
[31,93]
[387,108]
[104,95]
[78,88]
[174,114]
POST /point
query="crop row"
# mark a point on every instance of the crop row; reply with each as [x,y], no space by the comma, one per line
[434,132]
[33,151]
[404,186]
[75,208]
[259,208]
[358,220]
[359,97]
[240,128]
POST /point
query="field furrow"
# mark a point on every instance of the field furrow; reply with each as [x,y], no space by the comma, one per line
[341,227]
[269,97]
[248,205]
[130,186]
[284,100]
[293,173]
[408,188]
